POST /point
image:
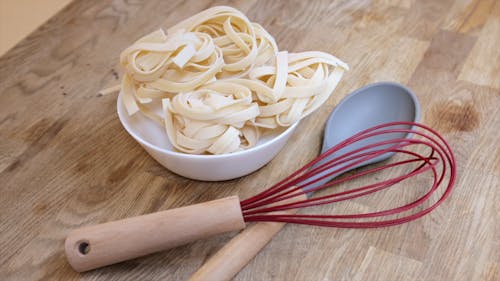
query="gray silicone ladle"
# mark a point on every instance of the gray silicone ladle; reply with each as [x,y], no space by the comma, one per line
[372,105]
[369,106]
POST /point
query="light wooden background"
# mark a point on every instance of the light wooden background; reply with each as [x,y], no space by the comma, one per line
[65,161]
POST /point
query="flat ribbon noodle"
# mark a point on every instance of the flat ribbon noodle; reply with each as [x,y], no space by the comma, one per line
[213,118]
[221,81]
[244,44]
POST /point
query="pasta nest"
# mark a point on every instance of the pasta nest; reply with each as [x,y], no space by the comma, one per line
[220,81]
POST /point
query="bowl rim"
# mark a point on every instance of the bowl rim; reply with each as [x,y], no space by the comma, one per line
[142,141]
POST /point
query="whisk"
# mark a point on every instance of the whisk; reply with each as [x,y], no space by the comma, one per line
[298,183]
[99,245]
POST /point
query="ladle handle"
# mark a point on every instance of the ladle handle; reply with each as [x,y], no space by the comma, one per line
[103,244]
[241,249]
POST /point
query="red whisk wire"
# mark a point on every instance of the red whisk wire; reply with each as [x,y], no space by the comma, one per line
[296,177]
[261,206]
[366,189]
[332,163]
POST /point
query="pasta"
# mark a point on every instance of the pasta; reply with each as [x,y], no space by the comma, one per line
[221,81]
[243,43]
[212,118]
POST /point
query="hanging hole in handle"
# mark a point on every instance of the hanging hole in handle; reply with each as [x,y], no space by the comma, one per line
[83,247]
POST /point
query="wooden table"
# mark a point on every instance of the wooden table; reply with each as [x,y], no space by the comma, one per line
[65,160]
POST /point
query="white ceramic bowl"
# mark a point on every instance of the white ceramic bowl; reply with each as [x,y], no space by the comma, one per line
[152,137]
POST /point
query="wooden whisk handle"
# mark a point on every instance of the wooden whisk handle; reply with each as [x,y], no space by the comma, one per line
[103,244]
[238,252]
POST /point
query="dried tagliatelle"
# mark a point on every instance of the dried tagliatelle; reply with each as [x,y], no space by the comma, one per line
[216,118]
[221,81]
[208,119]
[292,88]
[158,65]
[244,44]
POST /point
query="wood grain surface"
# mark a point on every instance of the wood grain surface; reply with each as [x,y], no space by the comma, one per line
[66,162]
